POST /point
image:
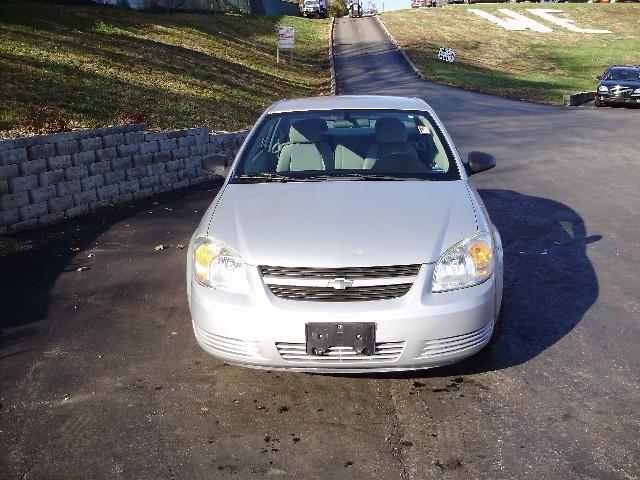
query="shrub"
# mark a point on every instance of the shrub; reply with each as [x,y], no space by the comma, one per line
[132,115]
[40,119]
[337,8]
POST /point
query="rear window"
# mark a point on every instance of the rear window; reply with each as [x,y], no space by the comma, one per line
[402,144]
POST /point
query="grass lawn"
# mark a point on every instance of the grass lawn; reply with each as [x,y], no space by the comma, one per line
[93,66]
[520,64]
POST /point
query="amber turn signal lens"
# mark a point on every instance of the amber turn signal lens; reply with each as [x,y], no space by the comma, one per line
[481,254]
[204,255]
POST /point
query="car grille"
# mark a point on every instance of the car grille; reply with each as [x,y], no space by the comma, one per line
[353,283]
[384,353]
[349,273]
[449,345]
[620,91]
[328,294]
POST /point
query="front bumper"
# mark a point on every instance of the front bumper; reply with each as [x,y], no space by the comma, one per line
[632,99]
[418,330]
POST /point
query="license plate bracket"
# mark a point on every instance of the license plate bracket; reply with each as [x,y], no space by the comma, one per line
[361,336]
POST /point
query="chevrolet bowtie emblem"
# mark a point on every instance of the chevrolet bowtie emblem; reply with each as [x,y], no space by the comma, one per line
[340,283]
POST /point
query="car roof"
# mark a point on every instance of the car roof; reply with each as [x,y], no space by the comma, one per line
[348,102]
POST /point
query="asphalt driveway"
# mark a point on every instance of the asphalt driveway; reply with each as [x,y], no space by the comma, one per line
[100,375]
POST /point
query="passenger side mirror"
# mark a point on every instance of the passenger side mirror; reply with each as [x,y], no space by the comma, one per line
[479,162]
[215,164]
[599,77]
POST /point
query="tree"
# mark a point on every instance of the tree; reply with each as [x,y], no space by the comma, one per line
[337,8]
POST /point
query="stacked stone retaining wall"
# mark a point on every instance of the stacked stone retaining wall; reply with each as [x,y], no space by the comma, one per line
[45,179]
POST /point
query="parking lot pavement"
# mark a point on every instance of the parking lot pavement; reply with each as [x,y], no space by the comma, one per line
[100,375]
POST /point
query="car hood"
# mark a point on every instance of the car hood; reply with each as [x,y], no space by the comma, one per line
[622,83]
[343,223]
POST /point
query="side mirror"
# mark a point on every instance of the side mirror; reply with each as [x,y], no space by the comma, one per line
[599,77]
[215,164]
[479,162]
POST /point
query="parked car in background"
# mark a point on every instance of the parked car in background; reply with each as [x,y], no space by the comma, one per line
[469,2]
[347,237]
[355,9]
[313,8]
[423,3]
[619,85]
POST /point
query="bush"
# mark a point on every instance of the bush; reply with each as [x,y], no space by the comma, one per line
[337,8]
[134,115]
[39,119]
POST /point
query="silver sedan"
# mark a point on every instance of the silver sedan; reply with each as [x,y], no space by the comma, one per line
[347,237]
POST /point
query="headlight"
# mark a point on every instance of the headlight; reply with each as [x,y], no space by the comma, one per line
[217,265]
[636,91]
[467,263]
[603,88]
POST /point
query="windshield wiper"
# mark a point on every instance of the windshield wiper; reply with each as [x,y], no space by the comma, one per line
[360,176]
[261,177]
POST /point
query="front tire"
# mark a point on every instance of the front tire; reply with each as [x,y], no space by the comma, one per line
[598,103]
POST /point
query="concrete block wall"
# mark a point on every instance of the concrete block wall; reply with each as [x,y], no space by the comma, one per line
[48,178]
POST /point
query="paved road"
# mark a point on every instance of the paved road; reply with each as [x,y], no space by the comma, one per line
[100,376]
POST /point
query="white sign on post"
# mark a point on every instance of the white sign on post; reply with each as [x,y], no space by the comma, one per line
[286,40]
[446,55]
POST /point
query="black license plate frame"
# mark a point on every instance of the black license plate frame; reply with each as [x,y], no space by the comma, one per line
[321,336]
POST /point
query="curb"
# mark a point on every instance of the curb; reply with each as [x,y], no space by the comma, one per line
[576,99]
[334,82]
[393,41]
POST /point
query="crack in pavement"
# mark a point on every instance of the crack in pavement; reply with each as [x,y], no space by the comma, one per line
[397,432]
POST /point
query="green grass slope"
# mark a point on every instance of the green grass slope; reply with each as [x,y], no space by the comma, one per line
[525,64]
[84,66]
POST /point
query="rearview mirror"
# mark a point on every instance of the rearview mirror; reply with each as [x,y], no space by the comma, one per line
[479,162]
[215,164]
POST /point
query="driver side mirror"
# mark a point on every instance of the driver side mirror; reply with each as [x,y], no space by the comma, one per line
[215,164]
[479,162]
[599,77]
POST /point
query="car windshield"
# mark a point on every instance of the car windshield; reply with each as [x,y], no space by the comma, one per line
[628,74]
[346,145]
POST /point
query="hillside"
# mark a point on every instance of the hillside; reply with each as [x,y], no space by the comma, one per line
[520,64]
[71,66]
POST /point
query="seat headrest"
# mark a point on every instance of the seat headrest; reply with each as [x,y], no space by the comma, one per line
[390,130]
[309,130]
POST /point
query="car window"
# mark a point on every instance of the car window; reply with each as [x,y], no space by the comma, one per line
[628,74]
[349,143]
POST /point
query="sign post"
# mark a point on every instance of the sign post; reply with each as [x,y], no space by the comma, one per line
[286,36]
